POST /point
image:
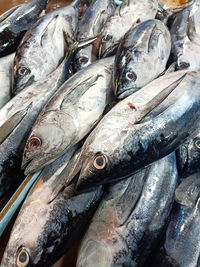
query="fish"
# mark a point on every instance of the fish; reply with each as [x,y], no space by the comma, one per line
[131,217]
[186,38]
[142,128]
[16,120]
[6,75]
[16,21]
[188,155]
[69,115]
[181,244]
[91,25]
[45,229]
[128,14]
[34,59]
[141,57]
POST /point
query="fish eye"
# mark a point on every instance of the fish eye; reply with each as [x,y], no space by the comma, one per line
[100,162]
[82,60]
[22,71]
[183,65]
[106,38]
[131,76]
[23,258]
[197,143]
[34,142]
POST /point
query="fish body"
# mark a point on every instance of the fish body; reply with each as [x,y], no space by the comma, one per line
[34,58]
[130,217]
[128,14]
[140,129]
[90,25]
[141,56]
[70,114]
[6,72]
[16,21]
[45,229]
[16,120]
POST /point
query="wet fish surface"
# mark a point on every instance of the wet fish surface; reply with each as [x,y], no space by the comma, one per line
[141,56]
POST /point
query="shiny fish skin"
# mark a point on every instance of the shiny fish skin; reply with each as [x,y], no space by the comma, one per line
[34,54]
[90,25]
[70,114]
[6,72]
[130,218]
[125,142]
[46,230]
[181,247]
[29,102]
[16,21]
[185,33]
[129,13]
[143,53]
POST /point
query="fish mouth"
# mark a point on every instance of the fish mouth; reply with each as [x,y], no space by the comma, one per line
[126,93]
[30,166]
[110,51]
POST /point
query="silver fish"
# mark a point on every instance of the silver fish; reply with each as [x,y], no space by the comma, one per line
[129,13]
[44,46]
[130,218]
[70,114]
[141,56]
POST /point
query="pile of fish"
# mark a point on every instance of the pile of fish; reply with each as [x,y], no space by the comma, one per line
[101,111]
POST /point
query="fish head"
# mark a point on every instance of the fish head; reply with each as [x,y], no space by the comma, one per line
[47,141]
[83,58]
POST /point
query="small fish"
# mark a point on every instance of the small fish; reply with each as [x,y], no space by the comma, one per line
[141,56]
[6,75]
[70,114]
[128,14]
[16,21]
[90,25]
[130,218]
[34,58]
[45,229]
[140,129]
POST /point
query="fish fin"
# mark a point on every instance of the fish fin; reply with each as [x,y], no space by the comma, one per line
[49,31]
[8,13]
[150,38]
[10,124]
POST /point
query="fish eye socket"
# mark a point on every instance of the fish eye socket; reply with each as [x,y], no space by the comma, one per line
[106,38]
[197,143]
[22,71]
[34,142]
[131,76]
[23,258]
[100,162]
[183,65]
[82,60]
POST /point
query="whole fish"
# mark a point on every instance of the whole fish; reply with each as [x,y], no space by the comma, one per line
[141,56]
[140,129]
[16,120]
[130,218]
[16,21]
[129,13]
[70,114]
[45,229]
[6,75]
[181,246]
[185,33]
[188,155]
[44,46]
[90,25]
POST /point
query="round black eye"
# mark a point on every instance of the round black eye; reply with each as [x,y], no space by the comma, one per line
[82,60]
[34,142]
[197,143]
[100,162]
[23,258]
[23,71]
[131,76]
[183,65]
[106,38]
